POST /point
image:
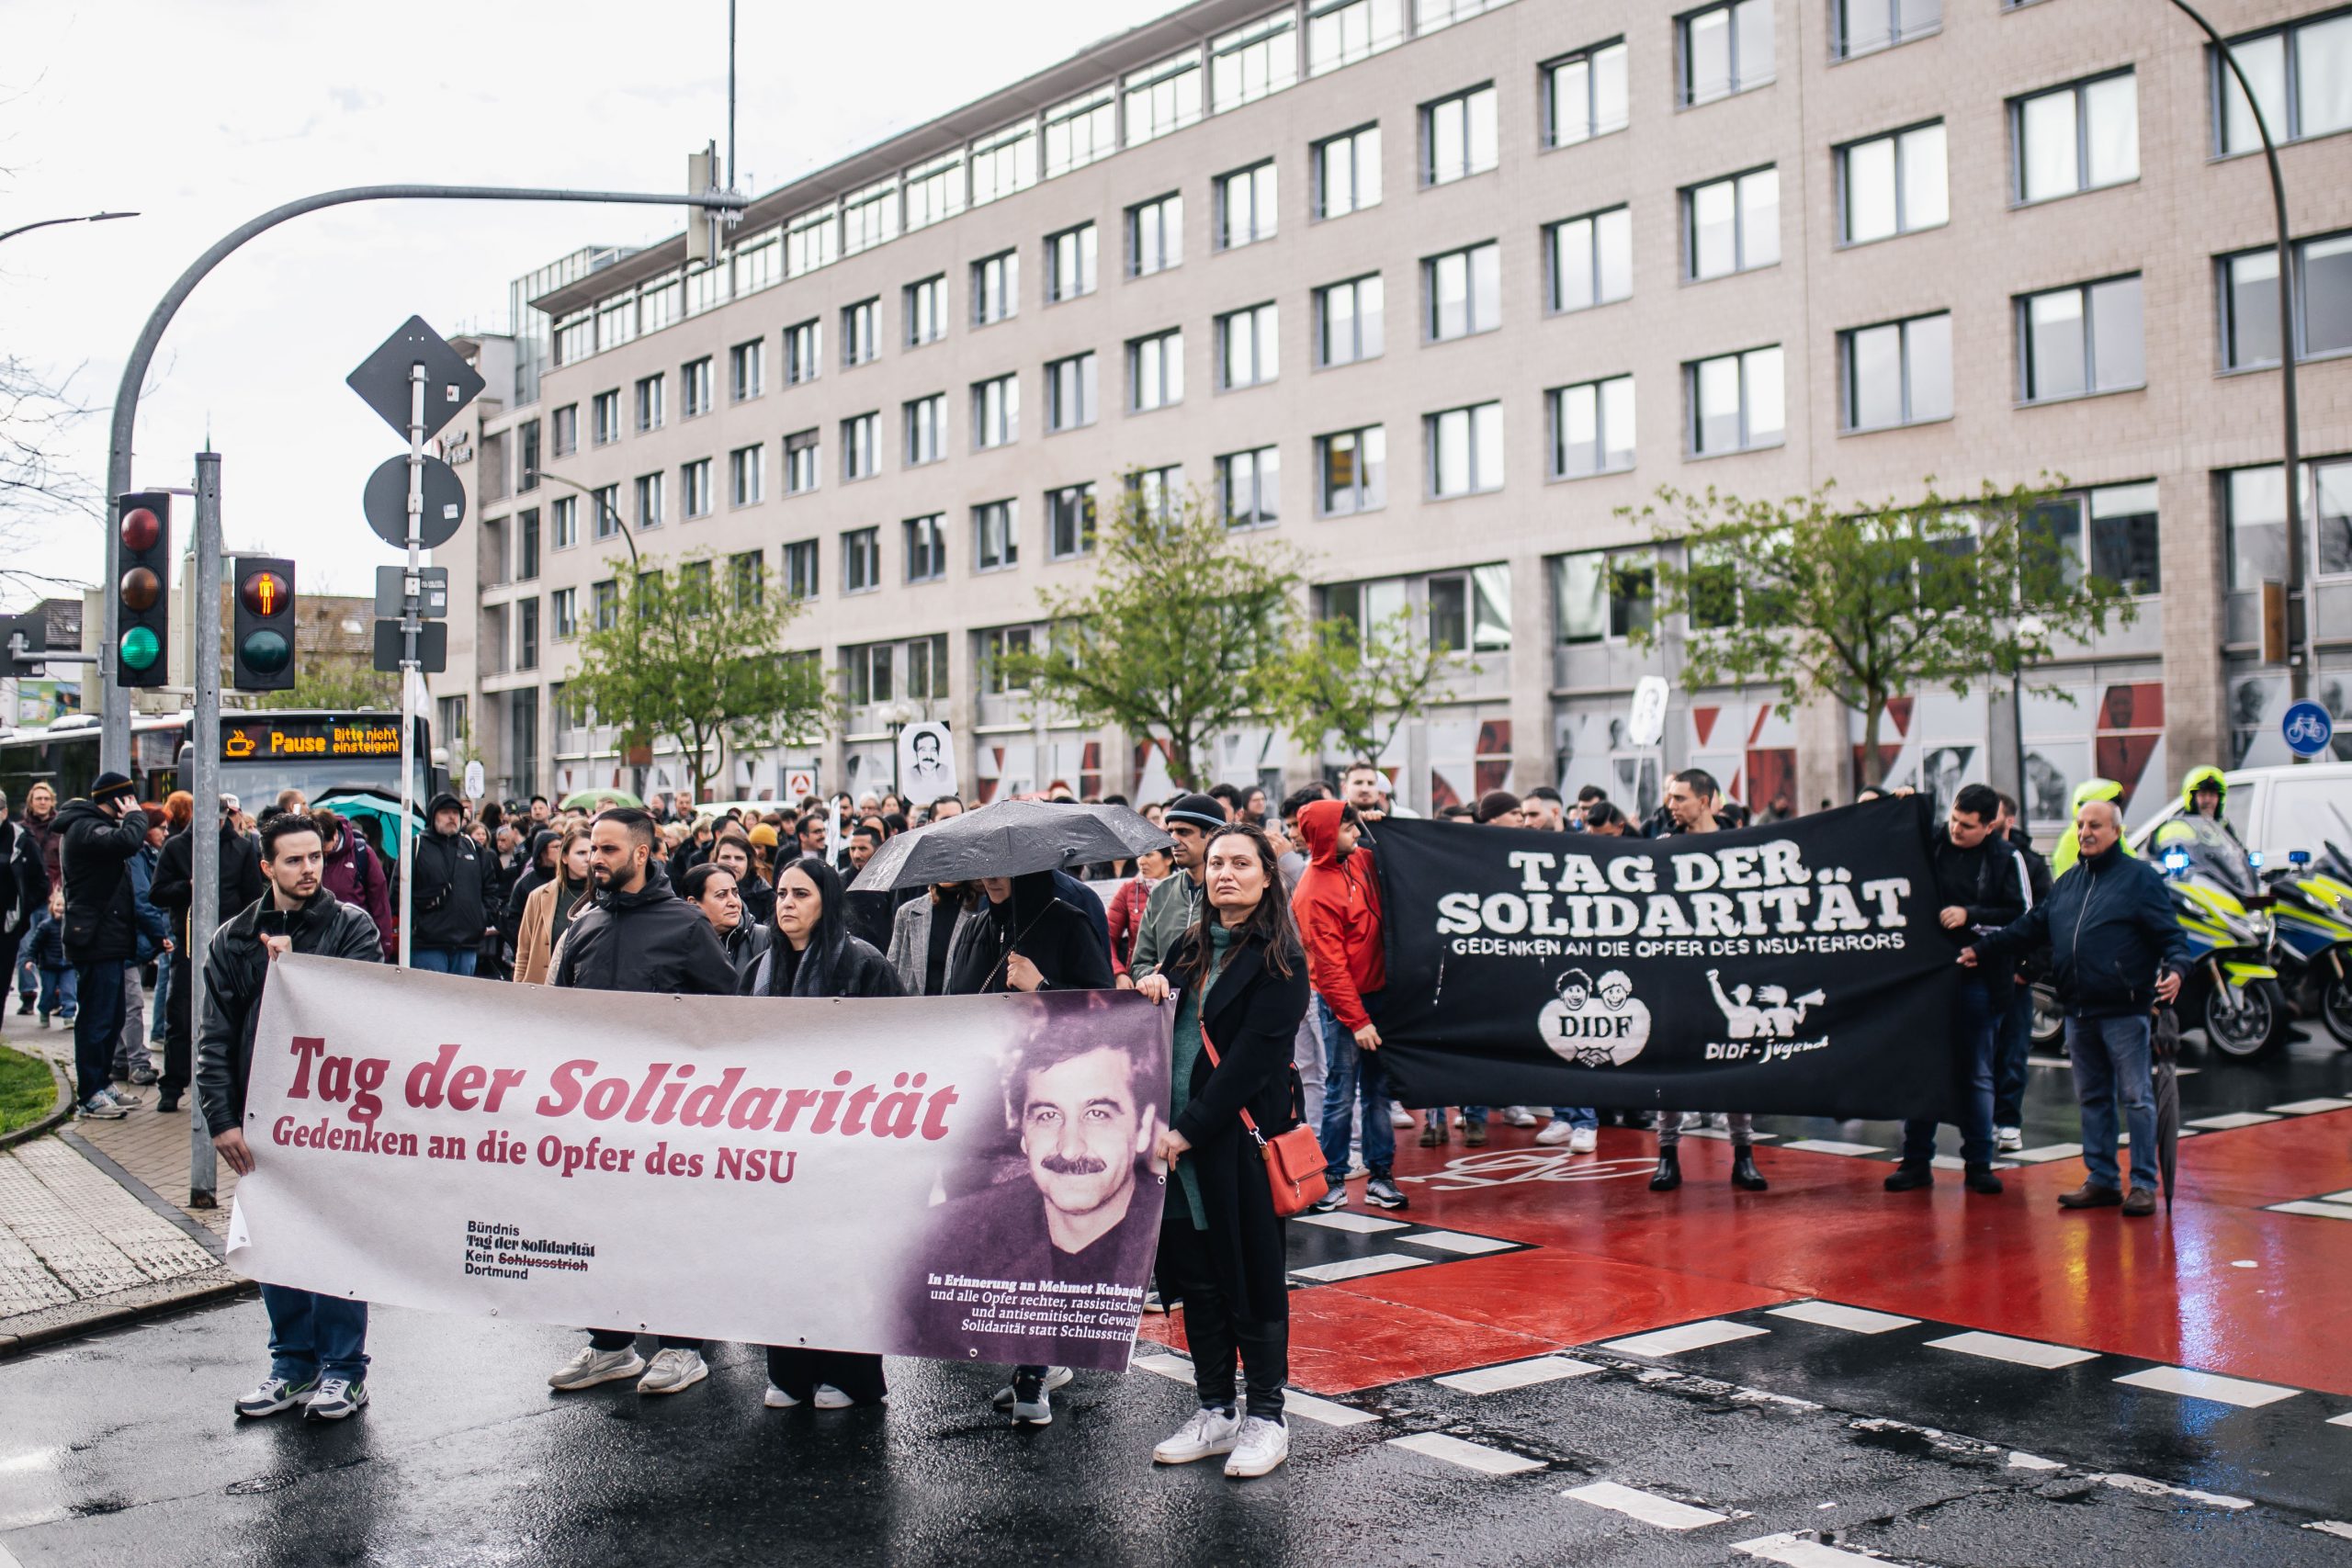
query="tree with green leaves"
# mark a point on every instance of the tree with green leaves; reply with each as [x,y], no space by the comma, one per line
[1182,633]
[697,661]
[1360,686]
[1863,604]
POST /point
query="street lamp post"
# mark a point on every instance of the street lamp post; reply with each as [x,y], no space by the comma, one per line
[2298,617]
[83,218]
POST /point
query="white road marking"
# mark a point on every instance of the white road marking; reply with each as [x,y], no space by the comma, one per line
[1832,1146]
[1356,1268]
[2235,1119]
[1454,1241]
[2342,1420]
[2047,1152]
[1687,1337]
[2311,1106]
[2331,1527]
[1468,1455]
[2022,1460]
[2022,1352]
[2342,1196]
[2209,1386]
[1795,1551]
[2320,1210]
[1646,1507]
[1323,1410]
[1175,1369]
[2147,1488]
[1362,1225]
[1516,1374]
[1829,1314]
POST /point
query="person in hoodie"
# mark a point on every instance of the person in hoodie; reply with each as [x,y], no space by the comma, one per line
[638,935]
[452,896]
[98,837]
[354,875]
[813,955]
[1337,906]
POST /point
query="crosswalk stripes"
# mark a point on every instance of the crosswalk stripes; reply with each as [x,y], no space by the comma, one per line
[1465,1453]
[1685,1336]
[2003,1348]
[1515,1374]
[1646,1507]
[2239,1391]
[1801,1551]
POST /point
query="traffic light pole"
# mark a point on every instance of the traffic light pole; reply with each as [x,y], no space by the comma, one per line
[114,736]
[204,826]
[411,623]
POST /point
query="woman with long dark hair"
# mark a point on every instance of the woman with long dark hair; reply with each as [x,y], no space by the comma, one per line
[548,912]
[1239,980]
[812,954]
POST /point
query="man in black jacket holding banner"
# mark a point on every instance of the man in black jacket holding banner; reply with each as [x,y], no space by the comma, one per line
[1981,886]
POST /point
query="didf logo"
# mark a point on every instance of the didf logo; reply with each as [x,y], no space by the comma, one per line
[1590,1024]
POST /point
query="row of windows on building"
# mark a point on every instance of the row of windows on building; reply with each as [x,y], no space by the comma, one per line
[2108,531]
[2069,138]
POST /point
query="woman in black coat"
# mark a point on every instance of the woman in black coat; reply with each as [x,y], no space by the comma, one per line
[1030,940]
[1238,977]
[812,954]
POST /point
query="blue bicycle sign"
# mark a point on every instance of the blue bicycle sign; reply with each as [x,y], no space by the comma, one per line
[2307,729]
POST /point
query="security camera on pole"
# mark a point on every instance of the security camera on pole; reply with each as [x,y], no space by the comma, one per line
[417,383]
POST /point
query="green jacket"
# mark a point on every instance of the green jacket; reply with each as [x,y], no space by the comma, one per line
[1167,915]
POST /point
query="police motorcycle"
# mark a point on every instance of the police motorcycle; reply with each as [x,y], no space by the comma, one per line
[2232,990]
[2311,911]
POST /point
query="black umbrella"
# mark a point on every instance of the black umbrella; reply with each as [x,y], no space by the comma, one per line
[2167,1052]
[1007,839]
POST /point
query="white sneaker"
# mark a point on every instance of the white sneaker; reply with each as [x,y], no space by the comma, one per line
[1400,1117]
[828,1397]
[1208,1432]
[1264,1445]
[2008,1140]
[1584,1140]
[1516,1116]
[337,1398]
[1558,1132]
[99,1107]
[592,1366]
[1055,1377]
[776,1399]
[673,1371]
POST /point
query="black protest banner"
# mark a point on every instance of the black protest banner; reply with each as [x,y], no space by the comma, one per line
[1795,969]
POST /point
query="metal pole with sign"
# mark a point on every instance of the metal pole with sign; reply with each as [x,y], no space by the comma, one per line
[204,825]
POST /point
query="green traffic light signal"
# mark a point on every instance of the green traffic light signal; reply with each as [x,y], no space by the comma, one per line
[266,653]
[139,648]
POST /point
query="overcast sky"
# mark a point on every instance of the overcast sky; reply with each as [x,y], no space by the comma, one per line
[201,114]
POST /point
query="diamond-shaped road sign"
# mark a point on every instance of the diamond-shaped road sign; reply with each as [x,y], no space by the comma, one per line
[382,383]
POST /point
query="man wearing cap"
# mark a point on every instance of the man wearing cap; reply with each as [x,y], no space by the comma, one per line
[451,897]
[98,836]
[1169,913]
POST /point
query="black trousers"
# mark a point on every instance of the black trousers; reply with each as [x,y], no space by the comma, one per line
[177,1033]
[797,1372]
[1217,1335]
[622,1338]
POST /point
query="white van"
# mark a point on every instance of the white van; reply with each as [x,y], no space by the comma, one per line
[2273,810]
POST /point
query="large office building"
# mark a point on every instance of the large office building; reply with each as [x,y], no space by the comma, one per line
[1434,291]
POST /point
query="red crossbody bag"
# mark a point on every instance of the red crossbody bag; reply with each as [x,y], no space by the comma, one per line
[1294,1165]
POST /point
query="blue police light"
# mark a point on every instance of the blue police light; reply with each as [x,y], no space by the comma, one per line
[2299,857]
[2177,862]
[2254,859]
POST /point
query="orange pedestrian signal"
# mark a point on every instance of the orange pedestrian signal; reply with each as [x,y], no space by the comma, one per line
[260,652]
[264,593]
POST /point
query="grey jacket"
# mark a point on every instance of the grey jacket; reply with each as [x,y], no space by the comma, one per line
[910,941]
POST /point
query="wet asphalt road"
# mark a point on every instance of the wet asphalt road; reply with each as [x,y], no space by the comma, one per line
[120,1450]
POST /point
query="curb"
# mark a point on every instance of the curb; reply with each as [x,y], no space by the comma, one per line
[165,1301]
[56,1117]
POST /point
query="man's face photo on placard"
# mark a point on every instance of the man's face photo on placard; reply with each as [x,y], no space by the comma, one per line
[1082,1129]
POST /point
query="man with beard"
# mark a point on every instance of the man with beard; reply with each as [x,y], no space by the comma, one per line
[1075,1217]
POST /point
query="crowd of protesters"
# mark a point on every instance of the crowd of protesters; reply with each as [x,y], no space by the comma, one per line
[1263,929]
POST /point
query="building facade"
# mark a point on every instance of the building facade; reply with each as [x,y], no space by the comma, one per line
[1435,291]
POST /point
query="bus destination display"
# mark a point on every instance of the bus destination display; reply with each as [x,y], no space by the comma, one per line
[261,739]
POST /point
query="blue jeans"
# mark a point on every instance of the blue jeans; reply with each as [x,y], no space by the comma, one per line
[1351,1071]
[444,960]
[1973,1037]
[1583,1116]
[166,972]
[311,1336]
[58,992]
[97,1026]
[2012,1043]
[27,976]
[2111,1064]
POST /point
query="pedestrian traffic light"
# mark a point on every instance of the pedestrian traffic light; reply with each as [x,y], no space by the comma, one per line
[262,654]
[142,589]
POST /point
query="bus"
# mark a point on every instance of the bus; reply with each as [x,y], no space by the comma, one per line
[262,752]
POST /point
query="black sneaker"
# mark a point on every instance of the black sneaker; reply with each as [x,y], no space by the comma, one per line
[1031,1406]
[1669,1175]
[1910,1178]
[1333,1200]
[1980,1179]
[1382,1192]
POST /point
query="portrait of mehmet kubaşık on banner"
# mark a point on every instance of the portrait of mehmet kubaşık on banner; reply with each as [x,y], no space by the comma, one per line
[1044,1240]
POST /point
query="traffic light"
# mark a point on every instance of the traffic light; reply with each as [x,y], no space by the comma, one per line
[262,654]
[142,592]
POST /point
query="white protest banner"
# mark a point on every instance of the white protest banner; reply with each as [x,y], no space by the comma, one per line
[961,1178]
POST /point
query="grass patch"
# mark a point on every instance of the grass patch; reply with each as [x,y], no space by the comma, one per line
[26,1091]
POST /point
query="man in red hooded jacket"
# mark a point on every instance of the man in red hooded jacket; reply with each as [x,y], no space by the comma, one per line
[1338,908]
